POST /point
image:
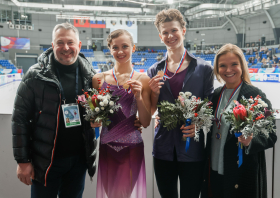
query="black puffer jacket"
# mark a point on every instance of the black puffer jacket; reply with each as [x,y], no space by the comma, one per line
[35,117]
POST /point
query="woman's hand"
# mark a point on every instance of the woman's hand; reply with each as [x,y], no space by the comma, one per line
[95,124]
[188,131]
[155,84]
[245,142]
[136,88]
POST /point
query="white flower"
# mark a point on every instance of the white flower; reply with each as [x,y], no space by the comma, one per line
[111,111]
[181,93]
[259,105]
[97,109]
[99,97]
[108,96]
[251,100]
[105,102]
[193,97]
[188,93]
[260,101]
[101,104]
[265,105]
[111,103]
[102,108]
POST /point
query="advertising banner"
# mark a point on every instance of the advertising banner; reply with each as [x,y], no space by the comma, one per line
[89,23]
[14,43]
[265,77]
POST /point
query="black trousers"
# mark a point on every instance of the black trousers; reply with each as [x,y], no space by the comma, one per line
[216,182]
[189,173]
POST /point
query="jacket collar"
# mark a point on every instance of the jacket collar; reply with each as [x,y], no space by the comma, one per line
[161,63]
[45,60]
[191,69]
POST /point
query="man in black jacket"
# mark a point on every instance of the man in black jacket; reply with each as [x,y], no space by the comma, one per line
[52,143]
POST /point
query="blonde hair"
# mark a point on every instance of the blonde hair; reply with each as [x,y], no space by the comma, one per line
[116,34]
[230,48]
[169,15]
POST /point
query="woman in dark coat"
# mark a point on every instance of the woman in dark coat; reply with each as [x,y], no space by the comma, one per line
[223,178]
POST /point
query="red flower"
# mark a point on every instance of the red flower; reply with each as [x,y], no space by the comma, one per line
[260,117]
[94,100]
[195,114]
[240,111]
[195,108]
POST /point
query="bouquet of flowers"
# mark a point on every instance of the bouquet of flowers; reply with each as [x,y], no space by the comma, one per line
[99,105]
[251,117]
[187,109]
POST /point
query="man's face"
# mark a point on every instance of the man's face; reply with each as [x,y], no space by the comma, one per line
[172,34]
[66,46]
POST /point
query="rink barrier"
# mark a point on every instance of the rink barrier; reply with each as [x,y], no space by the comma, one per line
[9,78]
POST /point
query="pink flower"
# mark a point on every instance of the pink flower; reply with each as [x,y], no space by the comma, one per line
[181,100]
[82,98]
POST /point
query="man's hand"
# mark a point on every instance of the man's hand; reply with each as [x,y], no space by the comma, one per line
[157,121]
[188,131]
[138,124]
[25,172]
[155,84]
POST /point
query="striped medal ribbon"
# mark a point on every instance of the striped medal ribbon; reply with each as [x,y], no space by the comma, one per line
[218,120]
[178,68]
[115,77]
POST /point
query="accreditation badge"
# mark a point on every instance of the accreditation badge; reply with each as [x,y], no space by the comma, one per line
[71,115]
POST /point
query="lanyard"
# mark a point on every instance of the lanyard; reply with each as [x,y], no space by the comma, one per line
[218,120]
[61,88]
[178,68]
[115,77]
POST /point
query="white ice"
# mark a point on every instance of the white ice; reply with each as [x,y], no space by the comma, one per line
[7,97]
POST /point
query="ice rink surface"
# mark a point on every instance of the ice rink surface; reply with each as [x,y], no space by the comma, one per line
[7,97]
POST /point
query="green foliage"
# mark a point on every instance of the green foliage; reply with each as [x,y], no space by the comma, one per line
[170,116]
[90,104]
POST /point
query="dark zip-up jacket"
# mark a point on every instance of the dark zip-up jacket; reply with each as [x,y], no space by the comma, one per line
[248,181]
[35,119]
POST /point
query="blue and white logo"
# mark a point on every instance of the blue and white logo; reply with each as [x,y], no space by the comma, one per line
[129,23]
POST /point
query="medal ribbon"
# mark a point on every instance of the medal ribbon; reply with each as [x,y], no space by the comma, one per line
[240,149]
[115,77]
[188,123]
[218,120]
[178,68]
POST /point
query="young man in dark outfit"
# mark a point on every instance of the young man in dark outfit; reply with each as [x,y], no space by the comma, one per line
[52,156]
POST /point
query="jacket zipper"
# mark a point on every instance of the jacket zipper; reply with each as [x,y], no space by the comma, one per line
[58,114]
